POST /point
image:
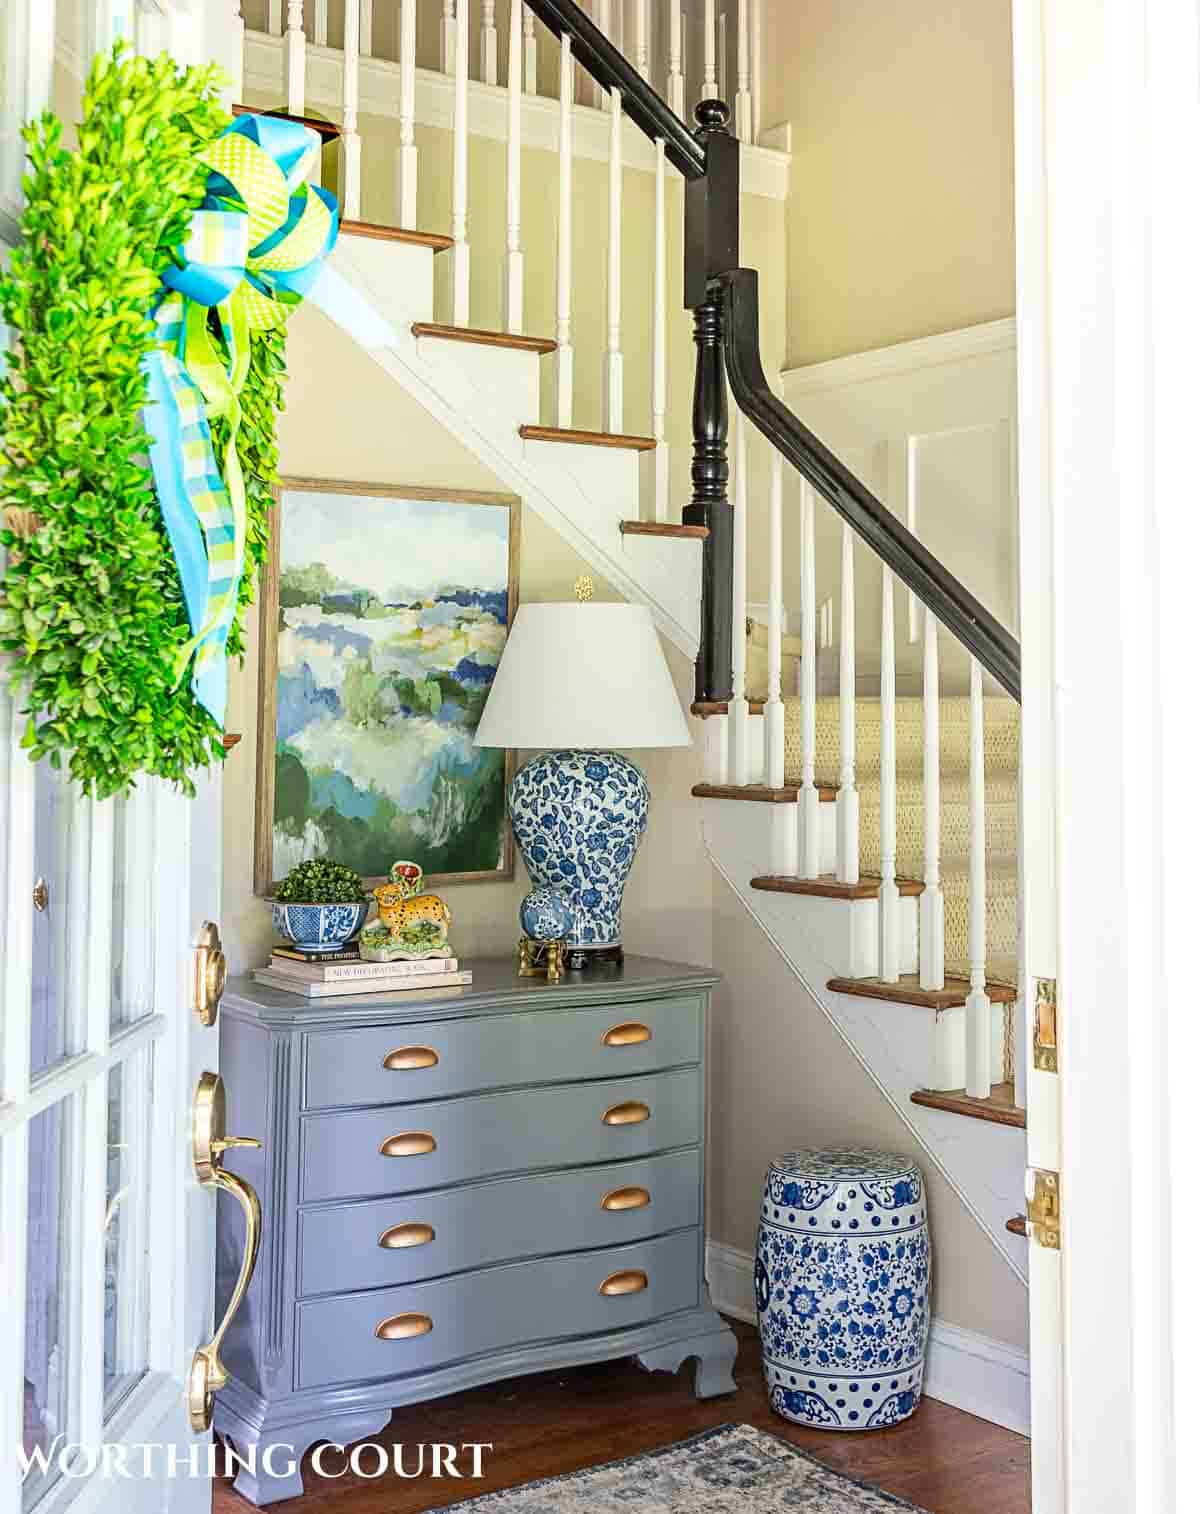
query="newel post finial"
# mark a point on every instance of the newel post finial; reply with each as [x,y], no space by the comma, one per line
[713,115]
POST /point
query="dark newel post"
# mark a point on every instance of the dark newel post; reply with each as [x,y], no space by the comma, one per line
[712,249]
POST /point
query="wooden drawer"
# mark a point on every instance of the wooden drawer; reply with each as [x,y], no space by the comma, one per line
[478,1313]
[430,1061]
[402,1240]
[455,1140]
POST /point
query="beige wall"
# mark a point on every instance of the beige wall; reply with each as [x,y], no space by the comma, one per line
[344,421]
[783,1078]
[901,217]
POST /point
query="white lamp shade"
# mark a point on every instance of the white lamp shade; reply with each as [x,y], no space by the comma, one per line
[583,675]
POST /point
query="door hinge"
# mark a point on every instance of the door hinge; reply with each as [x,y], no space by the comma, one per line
[1043,1207]
[1045,1025]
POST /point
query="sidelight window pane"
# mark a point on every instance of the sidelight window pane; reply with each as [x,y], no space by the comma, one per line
[133,908]
[48,1364]
[126,1280]
[53,948]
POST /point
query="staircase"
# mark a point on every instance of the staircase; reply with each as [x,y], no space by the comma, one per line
[875,841]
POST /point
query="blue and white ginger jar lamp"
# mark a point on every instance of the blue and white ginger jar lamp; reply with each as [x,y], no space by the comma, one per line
[580,680]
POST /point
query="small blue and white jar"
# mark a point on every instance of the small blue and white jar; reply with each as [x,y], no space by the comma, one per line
[546,914]
[842,1280]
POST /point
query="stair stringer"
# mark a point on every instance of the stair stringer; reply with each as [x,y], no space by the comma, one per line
[582,492]
[983,1162]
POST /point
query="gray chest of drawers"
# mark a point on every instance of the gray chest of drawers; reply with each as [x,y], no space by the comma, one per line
[460,1186]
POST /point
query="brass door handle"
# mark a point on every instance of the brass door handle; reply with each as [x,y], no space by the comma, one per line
[400,1237]
[625,1198]
[403,1327]
[621,1283]
[209,1144]
[409,1143]
[632,1112]
[630,1034]
[411,1058]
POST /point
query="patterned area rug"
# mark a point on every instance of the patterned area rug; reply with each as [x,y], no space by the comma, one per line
[734,1469]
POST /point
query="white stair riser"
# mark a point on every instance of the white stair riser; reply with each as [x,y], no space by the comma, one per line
[506,377]
[396,277]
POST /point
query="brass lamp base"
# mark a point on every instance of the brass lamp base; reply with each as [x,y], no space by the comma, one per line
[541,959]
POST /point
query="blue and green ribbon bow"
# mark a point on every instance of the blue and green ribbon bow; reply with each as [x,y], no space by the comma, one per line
[253,251]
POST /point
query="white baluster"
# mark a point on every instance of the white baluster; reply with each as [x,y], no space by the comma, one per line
[514,258]
[350,144]
[910,520]
[675,60]
[460,271]
[614,362]
[662,453]
[784,821]
[449,26]
[889,893]
[739,708]
[366,27]
[406,153]
[275,17]
[773,715]
[237,56]
[933,906]
[488,48]
[564,356]
[641,36]
[810,800]
[742,113]
[603,18]
[847,799]
[708,88]
[321,23]
[756,86]
[979,1009]
[531,54]
[716,750]
[293,58]
[722,58]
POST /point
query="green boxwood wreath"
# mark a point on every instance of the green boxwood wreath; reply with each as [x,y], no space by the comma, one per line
[93,613]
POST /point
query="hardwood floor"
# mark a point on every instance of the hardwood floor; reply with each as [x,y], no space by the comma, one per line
[942,1460]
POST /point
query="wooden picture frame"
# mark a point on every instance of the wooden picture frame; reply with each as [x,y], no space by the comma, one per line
[268,666]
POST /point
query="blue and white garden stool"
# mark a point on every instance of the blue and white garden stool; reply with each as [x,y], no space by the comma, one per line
[842,1283]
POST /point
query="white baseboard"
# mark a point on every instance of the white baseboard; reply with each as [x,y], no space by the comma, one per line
[982,1376]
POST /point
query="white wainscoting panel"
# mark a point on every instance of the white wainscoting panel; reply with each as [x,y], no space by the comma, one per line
[979,1375]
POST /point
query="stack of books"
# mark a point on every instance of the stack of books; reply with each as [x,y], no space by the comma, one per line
[323,975]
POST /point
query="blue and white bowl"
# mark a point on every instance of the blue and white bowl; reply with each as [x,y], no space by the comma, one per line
[318,927]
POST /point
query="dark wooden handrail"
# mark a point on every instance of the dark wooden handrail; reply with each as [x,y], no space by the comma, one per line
[640,101]
[951,603]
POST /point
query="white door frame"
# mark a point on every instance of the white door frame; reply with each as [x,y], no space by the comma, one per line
[1108,134]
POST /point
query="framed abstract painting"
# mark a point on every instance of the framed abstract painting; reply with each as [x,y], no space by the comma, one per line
[384,614]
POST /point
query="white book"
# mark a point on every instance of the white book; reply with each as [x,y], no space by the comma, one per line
[339,972]
[440,986]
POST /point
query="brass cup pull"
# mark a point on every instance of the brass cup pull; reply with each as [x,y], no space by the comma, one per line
[403,1327]
[411,1058]
[410,1143]
[625,1198]
[621,1283]
[209,1144]
[400,1237]
[630,1034]
[632,1112]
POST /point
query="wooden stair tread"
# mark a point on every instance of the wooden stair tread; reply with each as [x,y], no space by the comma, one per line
[662,528]
[433,239]
[588,438]
[829,887]
[230,740]
[706,707]
[909,991]
[481,338]
[759,793]
[1016,1226]
[1000,1108]
[328,131]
